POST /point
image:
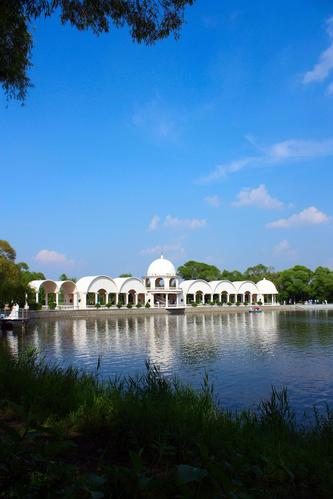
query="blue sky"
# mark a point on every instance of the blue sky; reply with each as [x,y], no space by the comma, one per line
[216,147]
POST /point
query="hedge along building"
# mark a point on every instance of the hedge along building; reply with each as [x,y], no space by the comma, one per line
[161,288]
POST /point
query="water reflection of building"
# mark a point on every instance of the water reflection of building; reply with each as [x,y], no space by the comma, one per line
[160,288]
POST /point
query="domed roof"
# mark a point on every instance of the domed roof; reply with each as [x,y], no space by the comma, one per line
[161,267]
[267,287]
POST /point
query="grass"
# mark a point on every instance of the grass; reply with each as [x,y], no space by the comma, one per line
[64,433]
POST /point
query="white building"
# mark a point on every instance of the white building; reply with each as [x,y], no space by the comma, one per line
[160,288]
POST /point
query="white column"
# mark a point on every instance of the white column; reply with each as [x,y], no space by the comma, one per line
[166,300]
[228,298]
[136,299]
[37,297]
[117,298]
[57,299]
[46,299]
[96,298]
[126,298]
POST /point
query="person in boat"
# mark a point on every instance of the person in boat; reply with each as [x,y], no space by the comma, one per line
[14,314]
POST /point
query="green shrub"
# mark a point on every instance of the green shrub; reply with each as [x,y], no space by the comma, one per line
[259,302]
[147,305]
[109,304]
[211,303]
[52,305]
[129,305]
[97,305]
[229,303]
[35,306]
[168,440]
[138,305]
[119,304]
[194,304]
[238,303]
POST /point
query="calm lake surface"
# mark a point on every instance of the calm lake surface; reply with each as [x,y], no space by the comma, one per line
[244,354]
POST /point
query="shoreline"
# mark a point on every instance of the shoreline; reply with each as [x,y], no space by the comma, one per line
[104,313]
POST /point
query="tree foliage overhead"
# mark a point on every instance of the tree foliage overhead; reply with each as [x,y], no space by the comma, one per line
[148,21]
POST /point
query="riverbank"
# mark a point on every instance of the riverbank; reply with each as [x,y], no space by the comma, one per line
[112,312]
[64,433]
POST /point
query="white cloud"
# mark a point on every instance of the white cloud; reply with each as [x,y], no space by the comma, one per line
[52,257]
[283,248]
[300,149]
[325,65]
[221,171]
[276,154]
[176,250]
[259,197]
[184,223]
[154,223]
[157,119]
[213,201]
[177,223]
[309,216]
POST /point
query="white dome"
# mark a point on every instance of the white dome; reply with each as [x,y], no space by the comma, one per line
[267,287]
[161,267]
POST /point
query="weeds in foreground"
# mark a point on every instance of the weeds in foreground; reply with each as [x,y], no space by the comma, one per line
[64,433]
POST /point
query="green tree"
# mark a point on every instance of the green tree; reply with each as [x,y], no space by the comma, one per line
[7,251]
[232,275]
[14,277]
[148,21]
[199,270]
[126,275]
[294,284]
[64,277]
[258,272]
[322,284]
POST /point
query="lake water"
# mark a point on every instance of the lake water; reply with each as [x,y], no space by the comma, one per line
[244,354]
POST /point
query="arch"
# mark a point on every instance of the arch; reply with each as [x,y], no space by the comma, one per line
[102,296]
[132,295]
[48,285]
[191,287]
[173,282]
[125,284]
[68,287]
[220,286]
[91,284]
[159,283]
[66,291]
[246,286]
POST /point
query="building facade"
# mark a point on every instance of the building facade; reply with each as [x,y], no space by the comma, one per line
[160,288]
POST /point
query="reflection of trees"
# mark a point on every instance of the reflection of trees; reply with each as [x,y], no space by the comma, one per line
[303,329]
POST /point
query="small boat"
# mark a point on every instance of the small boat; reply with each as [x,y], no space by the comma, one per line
[255,310]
